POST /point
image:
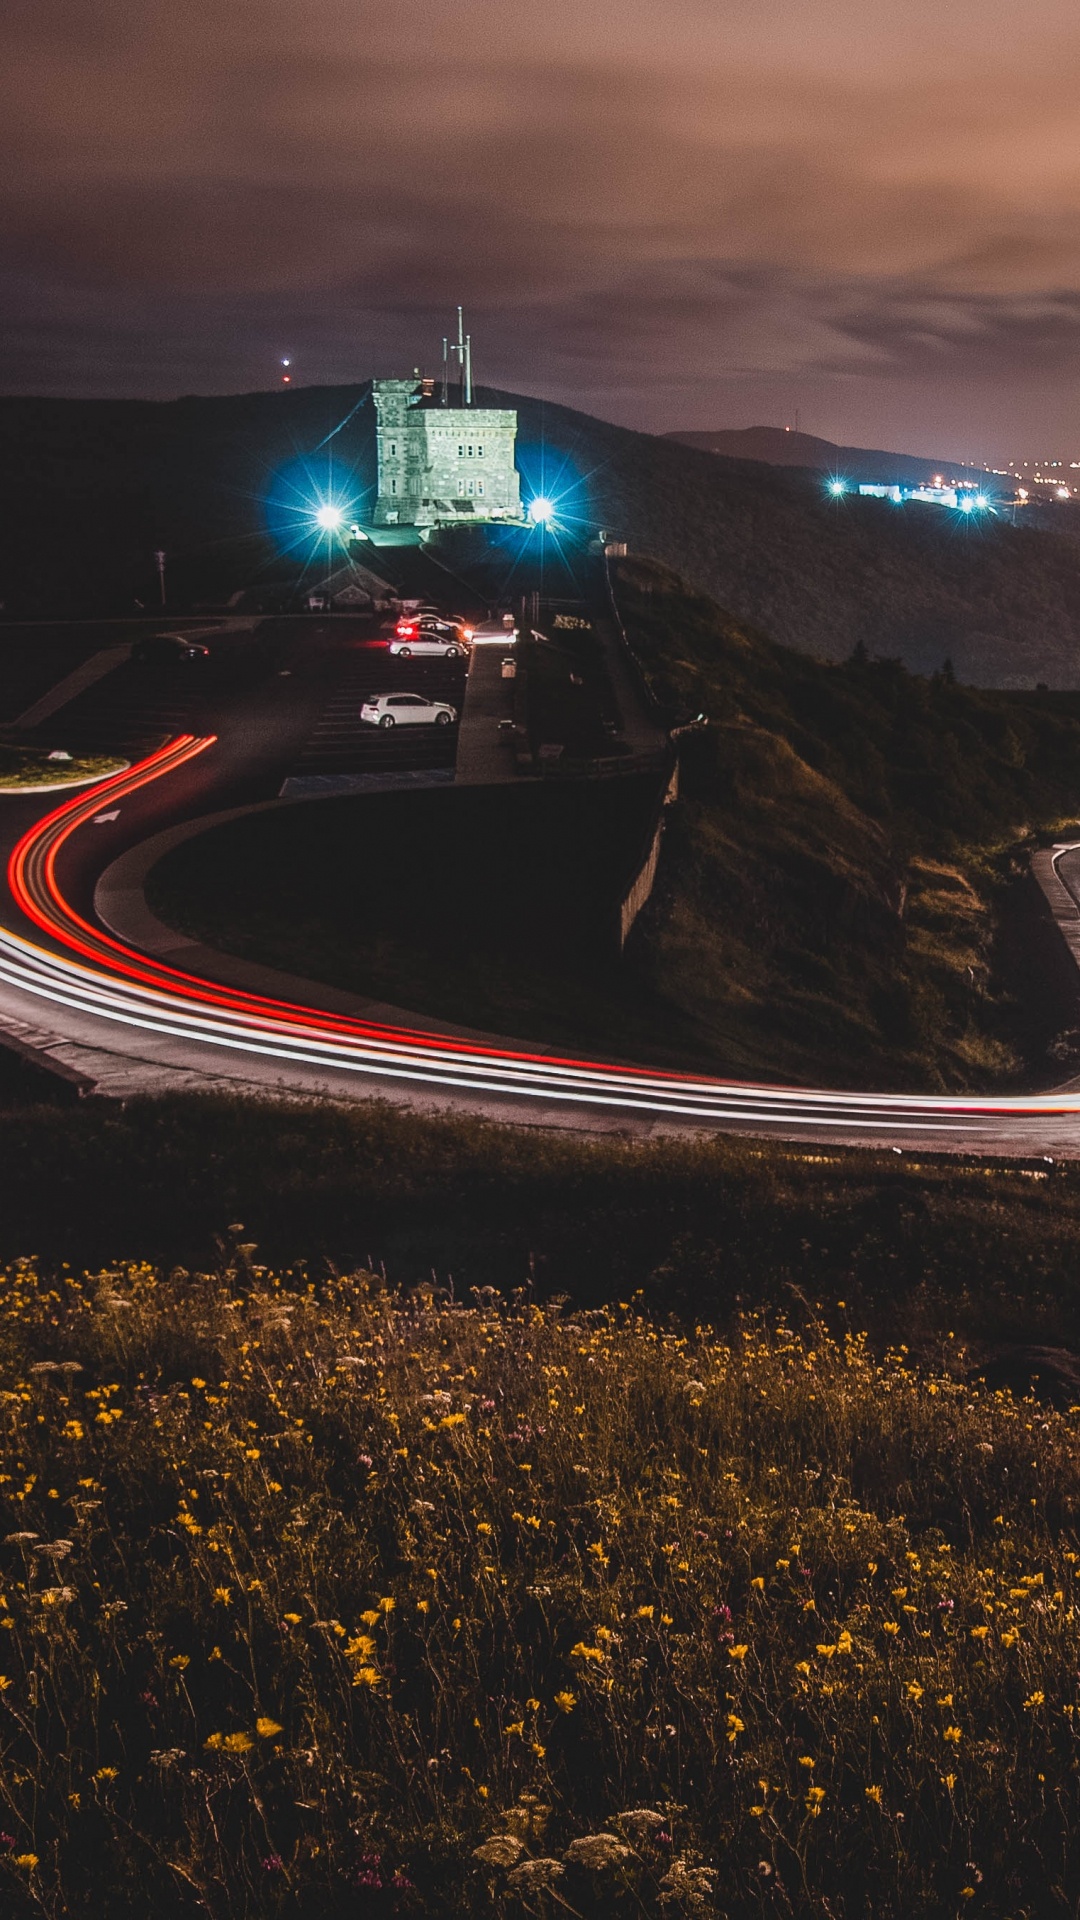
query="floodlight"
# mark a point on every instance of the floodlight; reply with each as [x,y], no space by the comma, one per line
[966,503]
[541,511]
[329,517]
[836,486]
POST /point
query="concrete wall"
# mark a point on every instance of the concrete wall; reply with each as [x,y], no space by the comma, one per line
[644,880]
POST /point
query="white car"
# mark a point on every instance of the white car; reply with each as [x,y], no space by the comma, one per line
[406,710]
[426,645]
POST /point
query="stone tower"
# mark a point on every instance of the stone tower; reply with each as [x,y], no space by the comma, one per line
[442,465]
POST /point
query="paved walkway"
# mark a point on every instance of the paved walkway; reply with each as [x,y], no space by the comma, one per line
[487,745]
[638,729]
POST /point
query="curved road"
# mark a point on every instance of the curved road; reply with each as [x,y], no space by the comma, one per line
[101,991]
[65,978]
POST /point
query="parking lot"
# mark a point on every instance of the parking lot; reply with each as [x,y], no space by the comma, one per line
[294,685]
[135,706]
[341,742]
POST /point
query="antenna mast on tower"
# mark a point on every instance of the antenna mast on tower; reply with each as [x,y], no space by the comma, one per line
[462,351]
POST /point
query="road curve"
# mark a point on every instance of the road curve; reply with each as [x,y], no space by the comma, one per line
[84,974]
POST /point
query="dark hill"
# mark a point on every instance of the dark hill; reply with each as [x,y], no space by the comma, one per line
[89,489]
[779,447]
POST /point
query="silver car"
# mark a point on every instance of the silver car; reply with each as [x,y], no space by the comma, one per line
[406,710]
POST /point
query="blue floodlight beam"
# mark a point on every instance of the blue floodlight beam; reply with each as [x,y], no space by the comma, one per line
[541,510]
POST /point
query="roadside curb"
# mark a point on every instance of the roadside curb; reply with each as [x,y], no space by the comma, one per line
[38,1054]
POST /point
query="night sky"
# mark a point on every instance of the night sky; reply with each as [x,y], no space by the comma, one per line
[672,213]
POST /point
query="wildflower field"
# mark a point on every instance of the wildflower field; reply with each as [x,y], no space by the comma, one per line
[320,1599]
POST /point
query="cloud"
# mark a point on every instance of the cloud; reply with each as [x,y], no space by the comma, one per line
[629,203]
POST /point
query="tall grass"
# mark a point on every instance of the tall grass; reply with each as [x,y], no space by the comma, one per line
[324,1600]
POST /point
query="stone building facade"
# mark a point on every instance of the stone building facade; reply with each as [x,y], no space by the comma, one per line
[440,465]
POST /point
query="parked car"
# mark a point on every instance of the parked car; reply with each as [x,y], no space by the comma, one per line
[431,635]
[167,650]
[406,710]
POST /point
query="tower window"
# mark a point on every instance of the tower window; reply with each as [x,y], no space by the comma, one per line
[393,447]
[479,486]
[461,453]
[393,484]
[479,453]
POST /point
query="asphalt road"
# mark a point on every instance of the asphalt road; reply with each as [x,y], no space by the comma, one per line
[145,1024]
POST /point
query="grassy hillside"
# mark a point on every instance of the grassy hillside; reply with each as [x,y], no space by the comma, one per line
[202,478]
[922,1251]
[324,1601]
[833,880]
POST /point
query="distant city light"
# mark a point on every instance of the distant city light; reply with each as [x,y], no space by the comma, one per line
[329,517]
[1063,493]
[541,511]
[286,363]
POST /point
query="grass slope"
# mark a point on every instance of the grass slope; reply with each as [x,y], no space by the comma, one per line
[321,1601]
[831,879]
[920,1251]
[194,476]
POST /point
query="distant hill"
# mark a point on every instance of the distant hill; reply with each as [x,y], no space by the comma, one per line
[779,447]
[89,490]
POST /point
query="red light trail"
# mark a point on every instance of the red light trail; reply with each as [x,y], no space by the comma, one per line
[120,984]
